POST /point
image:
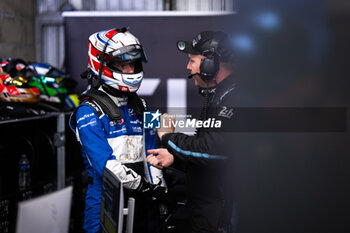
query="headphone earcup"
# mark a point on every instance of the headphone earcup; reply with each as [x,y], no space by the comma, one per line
[209,66]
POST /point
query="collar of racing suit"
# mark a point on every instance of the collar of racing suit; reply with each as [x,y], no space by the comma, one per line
[123,98]
[119,101]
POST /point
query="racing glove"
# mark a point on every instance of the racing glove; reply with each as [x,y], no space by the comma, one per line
[129,178]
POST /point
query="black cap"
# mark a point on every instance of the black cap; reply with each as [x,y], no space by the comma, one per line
[202,42]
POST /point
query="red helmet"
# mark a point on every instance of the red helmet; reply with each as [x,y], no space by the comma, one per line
[16,88]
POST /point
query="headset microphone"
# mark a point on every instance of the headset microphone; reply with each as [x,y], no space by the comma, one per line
[191,75]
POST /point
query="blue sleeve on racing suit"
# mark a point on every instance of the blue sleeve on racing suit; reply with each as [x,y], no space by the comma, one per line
[93,138]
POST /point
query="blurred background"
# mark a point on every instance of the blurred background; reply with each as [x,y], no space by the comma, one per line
[290,53]
[33,29]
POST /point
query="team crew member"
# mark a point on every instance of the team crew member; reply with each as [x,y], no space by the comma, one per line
[108,124]
[205,156]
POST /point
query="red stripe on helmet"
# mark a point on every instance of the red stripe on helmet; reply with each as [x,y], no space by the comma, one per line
[12,90]
[107,72]
[111,33]
[35,90]
[89,61]
[94,51]
[4,63]
[3,77]
[2,86]
[96,65]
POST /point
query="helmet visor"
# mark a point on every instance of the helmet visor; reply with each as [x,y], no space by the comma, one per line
[131,66]
[128,53]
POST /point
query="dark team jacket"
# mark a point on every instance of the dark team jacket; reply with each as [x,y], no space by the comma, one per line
[206,156]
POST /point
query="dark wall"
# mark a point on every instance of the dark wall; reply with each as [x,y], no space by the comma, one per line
[17,29]
[158,35]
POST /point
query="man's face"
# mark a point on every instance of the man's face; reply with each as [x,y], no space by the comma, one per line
[126,67]
[193,66]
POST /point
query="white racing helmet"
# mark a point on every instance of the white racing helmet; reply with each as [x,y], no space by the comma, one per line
[116,46]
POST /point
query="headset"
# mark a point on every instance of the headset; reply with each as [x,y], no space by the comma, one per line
[210,64]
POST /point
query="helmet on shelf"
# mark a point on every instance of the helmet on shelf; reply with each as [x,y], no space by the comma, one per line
[11,66]
[48,81]
[16,88]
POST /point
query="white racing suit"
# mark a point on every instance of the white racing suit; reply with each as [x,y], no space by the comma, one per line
[119,146]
